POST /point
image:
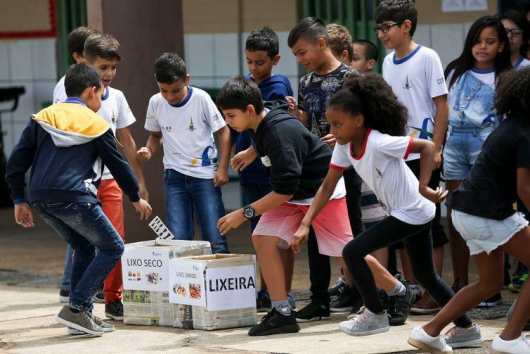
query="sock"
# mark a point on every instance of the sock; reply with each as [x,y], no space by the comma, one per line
[282,307]
[399,290]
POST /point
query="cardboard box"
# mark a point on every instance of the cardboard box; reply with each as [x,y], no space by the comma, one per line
[214,292]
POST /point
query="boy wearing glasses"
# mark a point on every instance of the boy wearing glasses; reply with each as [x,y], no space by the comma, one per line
[416,76]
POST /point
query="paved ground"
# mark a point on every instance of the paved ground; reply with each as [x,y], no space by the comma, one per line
[30,268]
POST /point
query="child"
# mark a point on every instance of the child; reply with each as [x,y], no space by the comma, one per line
[369,123]
[297,161]
[65,145]
[483,214]
[340,43]
[365,55]
[518,30]
[415,74]
[471,80]
[262,54]
[185,118]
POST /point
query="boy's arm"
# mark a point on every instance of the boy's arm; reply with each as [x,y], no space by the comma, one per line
[129,148]
[154,141]
[440,127]
[426,150]
[221,175]
[244,158]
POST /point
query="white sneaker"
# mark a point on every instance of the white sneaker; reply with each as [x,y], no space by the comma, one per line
[365,324]
[516,346]
[458,337]
[421,340]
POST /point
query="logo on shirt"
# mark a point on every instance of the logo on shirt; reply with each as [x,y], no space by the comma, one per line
[440,81]
[113,118]
[166,128]
[379,173]
[407,85]
[191,126]
[266,161]
[215,117]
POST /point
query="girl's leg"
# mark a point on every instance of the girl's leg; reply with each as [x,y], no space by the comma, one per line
[383,279]
[459,250]
[271,265]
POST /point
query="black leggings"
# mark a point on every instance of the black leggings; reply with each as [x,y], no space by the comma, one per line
[418,244]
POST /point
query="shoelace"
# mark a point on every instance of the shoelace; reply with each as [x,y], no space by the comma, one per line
[453,331]
[524,340]
[363,317]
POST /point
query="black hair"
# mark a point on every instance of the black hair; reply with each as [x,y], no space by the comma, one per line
[371,96]
[466,60]
[76,40]
[513,94]
[398,11]
[339,39]
[79,77]
[263,39]
[169,67]
[101,45]
[370,48]
[309,29]
[519,18]
[238,93]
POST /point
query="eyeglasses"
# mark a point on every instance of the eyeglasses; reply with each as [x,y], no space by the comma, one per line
[514,32]
[386,28]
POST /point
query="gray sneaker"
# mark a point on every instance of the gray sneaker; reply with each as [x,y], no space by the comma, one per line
[107,327]
[458,337]
[81,321]
[365,324]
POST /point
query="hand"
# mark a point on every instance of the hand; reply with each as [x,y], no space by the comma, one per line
[220,178]
[437,160]
[144,193]
[330,140]
[231,221]
[143,154]
[435,196]
[300,237]
[293,106]
[23,215]
[143,208]
[241,160]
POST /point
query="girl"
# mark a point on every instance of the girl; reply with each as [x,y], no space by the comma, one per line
[517,28]
[483,214]
[471,84]
[369,123]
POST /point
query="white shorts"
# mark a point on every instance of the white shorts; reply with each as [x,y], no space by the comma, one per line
[485,235]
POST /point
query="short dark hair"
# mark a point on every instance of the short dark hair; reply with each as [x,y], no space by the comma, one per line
[169,67]
[79,77]
[370,48]
[310,29]
[397,11]
[519,18]
[101,45]
[339,39]
[238,93]
[263,39]
[76,40]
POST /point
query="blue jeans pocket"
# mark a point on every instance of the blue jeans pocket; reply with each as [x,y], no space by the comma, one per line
[68,212]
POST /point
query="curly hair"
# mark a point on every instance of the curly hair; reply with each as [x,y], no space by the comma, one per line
[339,40]
[372,97]
[513,94]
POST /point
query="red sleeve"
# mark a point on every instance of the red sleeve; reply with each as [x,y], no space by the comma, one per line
[409,148]
[340,168]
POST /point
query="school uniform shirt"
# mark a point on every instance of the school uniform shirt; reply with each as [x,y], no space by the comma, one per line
[490,189]
[381,164]
[416,79]
[187,128]
[521,63]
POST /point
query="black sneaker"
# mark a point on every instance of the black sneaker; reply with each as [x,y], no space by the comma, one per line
[491,302]
[315,311]
[275,323]
[383,297]
[64,296]
[263,301]
[344,302]
[399,307]
[114,310]
[99,297]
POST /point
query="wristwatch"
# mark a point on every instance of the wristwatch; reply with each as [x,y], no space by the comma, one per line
[249,212]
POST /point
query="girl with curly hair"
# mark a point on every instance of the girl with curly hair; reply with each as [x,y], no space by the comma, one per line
[369,124]
[483,214]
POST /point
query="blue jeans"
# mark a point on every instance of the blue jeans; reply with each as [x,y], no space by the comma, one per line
[184,195]
[85,228]
[65,281]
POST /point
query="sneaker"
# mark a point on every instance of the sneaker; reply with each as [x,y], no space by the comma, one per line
[399,307]
[425,305]
[345,300]
[99,297]
[314,311]
[107,327]
[421,340]
[458,337]
[516,346]
[263,301]
[491,302]
[517,283]
[81,321]
[338,288]
[114,310]
[64,296]
[275,323]
[365,324]
[292,301]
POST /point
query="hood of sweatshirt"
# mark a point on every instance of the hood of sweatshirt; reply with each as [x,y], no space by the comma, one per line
[71,124]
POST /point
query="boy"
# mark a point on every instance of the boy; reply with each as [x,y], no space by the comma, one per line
[298,162]
[340,43]
[262,53]
[65,145]
[365,55]
[185,118]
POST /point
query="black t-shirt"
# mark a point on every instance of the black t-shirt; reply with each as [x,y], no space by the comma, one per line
[490,190]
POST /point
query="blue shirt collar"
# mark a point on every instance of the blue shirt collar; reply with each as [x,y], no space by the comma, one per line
[188,96]
[75,100]
[106,95]
[521,58]
[483,71]
[402,60]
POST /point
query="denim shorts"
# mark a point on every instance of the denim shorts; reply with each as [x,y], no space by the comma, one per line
[485,235]
[461,151]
